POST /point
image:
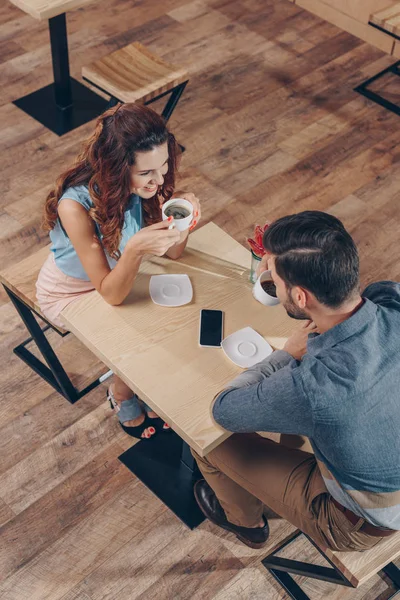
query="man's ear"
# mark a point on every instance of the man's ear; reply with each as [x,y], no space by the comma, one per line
[300,296]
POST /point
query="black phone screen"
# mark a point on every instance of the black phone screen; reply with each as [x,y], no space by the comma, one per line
[211,328]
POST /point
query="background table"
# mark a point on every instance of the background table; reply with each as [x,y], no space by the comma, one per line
[355,16]
[155,351]
[66,103]
[367,20]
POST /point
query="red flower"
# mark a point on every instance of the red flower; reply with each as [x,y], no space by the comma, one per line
[256,244]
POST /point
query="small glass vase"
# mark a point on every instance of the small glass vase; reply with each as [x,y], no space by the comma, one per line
[255,262]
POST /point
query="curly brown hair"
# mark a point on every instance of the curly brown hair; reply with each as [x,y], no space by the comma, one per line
[104,166]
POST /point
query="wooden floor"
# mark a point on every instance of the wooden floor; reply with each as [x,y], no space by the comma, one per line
[271,125]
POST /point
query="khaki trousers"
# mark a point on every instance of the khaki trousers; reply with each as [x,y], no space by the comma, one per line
[248,471]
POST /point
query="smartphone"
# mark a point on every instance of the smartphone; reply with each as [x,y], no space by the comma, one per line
[211,328]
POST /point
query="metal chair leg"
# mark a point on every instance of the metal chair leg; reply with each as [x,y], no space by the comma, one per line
[54,372]
[174,97]
[173,100]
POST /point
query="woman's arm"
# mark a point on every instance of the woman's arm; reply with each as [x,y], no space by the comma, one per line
[177,250]
[113,284]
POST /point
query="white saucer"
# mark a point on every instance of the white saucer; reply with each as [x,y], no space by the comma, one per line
[170,290]
[246,347]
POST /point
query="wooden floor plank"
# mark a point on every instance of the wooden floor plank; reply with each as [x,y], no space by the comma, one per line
[58,459]
[93,542]
[197,564]
[5,513]
[31,429]
[71,502]
[201,567]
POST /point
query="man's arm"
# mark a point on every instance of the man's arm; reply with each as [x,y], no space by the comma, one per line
[275,361]
[267,397]
[256,373]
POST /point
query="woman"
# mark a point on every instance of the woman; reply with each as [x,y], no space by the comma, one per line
[103,216]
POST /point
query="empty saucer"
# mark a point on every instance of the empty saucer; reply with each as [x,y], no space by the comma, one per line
[170,290]
[246,347]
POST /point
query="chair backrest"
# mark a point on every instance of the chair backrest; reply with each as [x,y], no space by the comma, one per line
[21,279]
[358,567]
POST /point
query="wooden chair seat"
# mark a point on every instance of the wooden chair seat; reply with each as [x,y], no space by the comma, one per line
[133,74]
[350,569]
[388,19]
[358,567]
[21,280]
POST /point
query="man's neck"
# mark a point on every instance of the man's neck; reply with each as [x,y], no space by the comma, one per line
[325,318]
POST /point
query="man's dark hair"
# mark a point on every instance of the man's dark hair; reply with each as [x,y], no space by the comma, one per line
[313,250]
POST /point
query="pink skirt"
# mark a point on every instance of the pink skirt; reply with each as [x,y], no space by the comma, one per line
[55,290]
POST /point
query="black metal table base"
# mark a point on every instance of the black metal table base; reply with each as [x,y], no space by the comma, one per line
[364,90]
[52,370]
[41,105]
[164,464]
[66,103]
[281,568]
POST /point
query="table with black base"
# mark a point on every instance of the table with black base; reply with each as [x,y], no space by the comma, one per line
[66,103]
[166,466]
[154,349]
[376,22]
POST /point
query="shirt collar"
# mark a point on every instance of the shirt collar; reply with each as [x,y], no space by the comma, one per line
[335,335]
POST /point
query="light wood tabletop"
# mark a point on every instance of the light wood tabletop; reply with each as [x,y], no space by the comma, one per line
[46,9]
[155,349]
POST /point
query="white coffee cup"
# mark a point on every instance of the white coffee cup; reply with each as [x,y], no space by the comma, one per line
[260,294]
[179,224]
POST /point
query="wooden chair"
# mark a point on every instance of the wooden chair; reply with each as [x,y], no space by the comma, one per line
[350,569]
[19,282]
[134,74]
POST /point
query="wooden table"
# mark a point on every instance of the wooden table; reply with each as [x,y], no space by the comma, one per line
[356,17]
[374,21]
[155,351]
[66,103]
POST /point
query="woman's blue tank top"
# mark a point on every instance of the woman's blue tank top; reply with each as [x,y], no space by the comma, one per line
[65,256]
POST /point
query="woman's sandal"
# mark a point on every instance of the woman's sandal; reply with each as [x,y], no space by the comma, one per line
[160,425]
[138,431]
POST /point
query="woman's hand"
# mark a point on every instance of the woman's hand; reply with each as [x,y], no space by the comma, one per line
[296,345]
[196,207]
[155,239]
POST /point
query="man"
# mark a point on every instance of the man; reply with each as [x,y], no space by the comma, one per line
[337,381]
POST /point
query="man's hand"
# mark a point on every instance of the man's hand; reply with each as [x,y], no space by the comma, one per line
[263,266]
[296,345]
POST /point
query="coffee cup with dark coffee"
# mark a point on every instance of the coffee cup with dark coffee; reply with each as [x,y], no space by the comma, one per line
[180,210]
[264,290]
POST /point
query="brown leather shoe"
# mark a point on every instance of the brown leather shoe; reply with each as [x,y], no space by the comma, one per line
[255,537]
